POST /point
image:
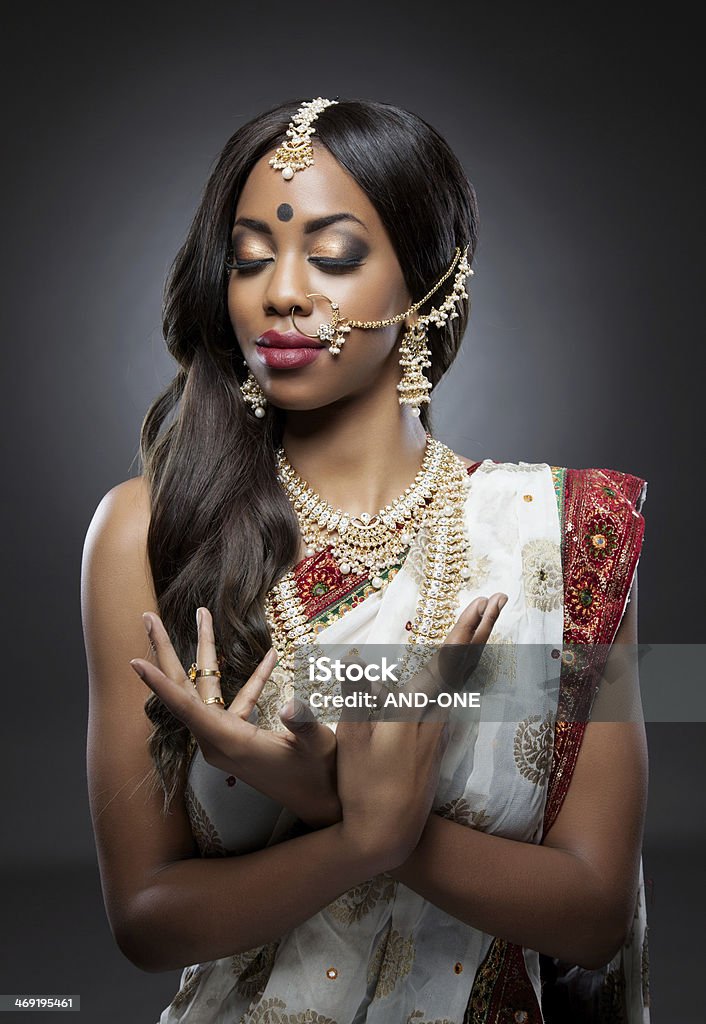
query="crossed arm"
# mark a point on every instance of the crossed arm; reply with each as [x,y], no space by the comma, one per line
[571,897]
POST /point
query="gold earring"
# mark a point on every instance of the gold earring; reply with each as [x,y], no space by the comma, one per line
[253,394]
[414,387]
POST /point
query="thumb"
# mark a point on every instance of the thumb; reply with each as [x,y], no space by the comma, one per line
[299,718]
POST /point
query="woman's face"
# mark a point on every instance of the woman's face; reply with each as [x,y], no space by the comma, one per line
[320,233]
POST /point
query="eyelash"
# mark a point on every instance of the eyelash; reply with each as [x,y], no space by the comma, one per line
[329,265]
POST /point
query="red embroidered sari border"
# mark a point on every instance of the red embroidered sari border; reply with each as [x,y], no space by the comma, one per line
[601,538]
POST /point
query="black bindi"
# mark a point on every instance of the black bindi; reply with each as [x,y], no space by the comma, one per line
[284,211]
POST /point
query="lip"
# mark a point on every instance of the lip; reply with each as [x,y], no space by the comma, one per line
[291,339]
[287,358]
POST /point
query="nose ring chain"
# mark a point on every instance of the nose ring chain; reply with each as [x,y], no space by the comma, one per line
[334,331]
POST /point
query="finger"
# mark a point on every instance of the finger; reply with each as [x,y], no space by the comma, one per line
[249,693]
[465,627]
[209,724]
[179,697]
[459,657]
[167,657]
[495,605]
[297,716]
[455,661]
[206,686]
[300,720]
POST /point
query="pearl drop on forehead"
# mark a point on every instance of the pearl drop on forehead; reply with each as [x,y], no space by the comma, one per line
[297,152]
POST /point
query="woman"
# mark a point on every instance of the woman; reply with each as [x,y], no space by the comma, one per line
[302,867]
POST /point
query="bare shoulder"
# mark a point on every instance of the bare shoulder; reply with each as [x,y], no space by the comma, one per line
[115,564]
[124,509]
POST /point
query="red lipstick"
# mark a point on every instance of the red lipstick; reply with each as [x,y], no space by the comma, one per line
[273,339]
[287,351]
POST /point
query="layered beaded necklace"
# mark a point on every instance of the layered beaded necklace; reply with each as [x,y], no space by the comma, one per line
[370,544]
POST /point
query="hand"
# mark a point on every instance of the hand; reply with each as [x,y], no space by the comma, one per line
[388,771]
[296,768]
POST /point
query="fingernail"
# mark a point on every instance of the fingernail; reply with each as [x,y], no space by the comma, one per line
[272,654]
[198,617]
[138,669]
[299,713]
[148,622]
[502,602]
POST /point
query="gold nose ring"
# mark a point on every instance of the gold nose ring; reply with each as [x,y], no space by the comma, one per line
[333,331]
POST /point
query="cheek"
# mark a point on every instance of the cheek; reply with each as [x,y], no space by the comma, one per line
[240,308]
[369,350]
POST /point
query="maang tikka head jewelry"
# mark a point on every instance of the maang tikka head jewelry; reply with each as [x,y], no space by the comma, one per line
[297,152]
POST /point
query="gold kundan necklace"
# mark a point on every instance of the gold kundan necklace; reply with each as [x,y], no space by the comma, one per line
[370,544]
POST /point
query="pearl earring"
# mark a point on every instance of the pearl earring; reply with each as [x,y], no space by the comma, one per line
[253,394]
[414,387]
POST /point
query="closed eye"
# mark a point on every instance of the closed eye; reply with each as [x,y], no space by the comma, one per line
[336,266]
[245,265]
[324,263]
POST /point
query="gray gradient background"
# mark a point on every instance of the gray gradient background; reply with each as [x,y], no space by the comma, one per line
[580,137]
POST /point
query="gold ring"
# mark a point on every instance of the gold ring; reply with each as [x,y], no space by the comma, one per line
[195,672]
[215,700]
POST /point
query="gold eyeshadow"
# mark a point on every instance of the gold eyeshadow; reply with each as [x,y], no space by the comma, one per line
[245,247]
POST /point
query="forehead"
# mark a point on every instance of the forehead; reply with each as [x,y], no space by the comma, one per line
[324,187]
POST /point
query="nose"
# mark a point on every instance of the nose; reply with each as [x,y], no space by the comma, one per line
[287,287]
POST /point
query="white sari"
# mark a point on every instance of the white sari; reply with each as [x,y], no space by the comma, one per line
[381,953]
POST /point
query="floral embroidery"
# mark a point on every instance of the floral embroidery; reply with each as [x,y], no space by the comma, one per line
[585,597]
[486,976]
[271,1011]
[600,537]
[391,961]
[190,983]
[253,968]
[321,577]
[541,570]
[459,810]
[502,989]
[357,902]
[512,467]
[416,1015]
[532,747]
[204,832]
[276,692]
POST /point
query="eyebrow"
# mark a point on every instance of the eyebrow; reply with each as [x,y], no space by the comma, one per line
[309,227]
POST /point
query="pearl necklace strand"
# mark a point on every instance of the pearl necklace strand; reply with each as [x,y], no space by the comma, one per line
[435,501]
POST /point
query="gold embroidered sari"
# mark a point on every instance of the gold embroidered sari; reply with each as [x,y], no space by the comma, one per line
[563,544]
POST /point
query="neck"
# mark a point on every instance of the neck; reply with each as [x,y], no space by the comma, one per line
[360,453]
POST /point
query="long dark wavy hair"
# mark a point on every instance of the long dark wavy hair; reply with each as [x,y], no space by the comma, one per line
[222,531]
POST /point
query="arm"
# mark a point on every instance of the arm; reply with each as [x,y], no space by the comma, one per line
[167,907]
[573,897]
